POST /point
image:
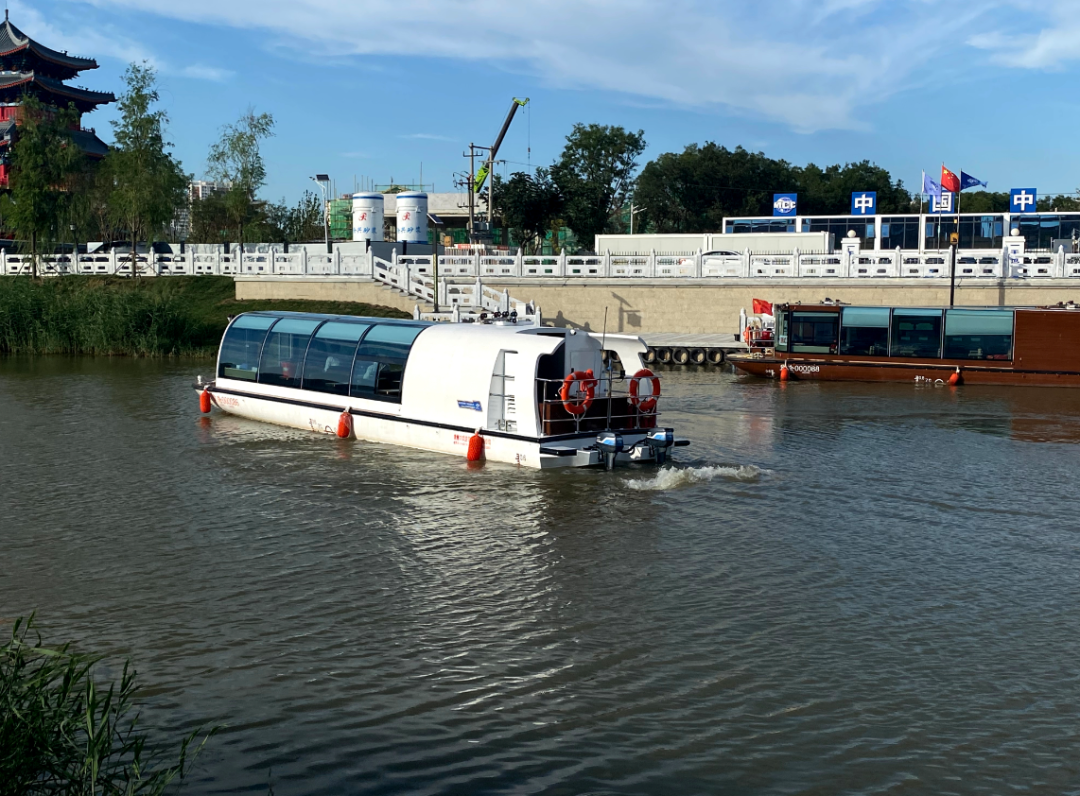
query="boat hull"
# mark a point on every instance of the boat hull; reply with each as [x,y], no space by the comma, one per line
[912,371]
[546,453]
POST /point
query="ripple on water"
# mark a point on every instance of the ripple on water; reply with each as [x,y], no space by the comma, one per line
[838,588]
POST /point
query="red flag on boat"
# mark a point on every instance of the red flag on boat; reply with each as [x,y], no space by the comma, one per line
[762,307]
[949,181]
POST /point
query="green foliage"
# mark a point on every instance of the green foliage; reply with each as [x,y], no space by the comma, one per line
[43,159]
[145,185]
[267,222]
[62,731]
[528,204]
[177,315]
[237,161]
[594,176]
[694,190]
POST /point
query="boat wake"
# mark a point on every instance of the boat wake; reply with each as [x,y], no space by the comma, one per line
[678,477]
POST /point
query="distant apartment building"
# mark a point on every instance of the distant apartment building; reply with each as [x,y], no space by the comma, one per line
[197,191]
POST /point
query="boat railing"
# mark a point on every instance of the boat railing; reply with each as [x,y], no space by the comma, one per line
[614,407]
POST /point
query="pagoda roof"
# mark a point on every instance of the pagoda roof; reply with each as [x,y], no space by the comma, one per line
[13,40]
[86,140]
[53,86]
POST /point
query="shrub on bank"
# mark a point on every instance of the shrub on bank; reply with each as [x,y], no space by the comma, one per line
[162,316]
[63,731]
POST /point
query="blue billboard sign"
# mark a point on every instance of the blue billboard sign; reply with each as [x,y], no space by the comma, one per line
[784,204]
[1022,200]
[864,203]
[942,204]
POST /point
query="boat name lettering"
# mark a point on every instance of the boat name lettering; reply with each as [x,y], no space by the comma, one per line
[805,368]
[474,405]
[225,400]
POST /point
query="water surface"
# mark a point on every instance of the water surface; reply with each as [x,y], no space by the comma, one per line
[837,589]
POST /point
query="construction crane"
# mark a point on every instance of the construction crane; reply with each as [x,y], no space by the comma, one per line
[485,169]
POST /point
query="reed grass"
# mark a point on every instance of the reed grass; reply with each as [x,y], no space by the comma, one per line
[65,731]
[163,316]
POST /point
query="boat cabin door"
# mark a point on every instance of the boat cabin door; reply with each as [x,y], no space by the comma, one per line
[502,396]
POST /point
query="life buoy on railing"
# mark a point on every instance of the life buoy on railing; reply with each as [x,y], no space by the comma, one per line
[586,384]
[645,403]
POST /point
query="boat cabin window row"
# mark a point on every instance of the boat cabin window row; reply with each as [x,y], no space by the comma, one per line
[983,334]
[361,359]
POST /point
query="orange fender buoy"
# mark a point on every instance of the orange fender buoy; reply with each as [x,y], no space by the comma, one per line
[204,402]
[344,425]
[476,448]
[785,374]
[956,378]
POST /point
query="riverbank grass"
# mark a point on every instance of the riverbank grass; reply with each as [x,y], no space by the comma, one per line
[173,316]
[65,730]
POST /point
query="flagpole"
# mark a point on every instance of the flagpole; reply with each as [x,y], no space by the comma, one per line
[938,225]
[959,190]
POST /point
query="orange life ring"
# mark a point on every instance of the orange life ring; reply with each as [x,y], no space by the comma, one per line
[645,404]
[580,403]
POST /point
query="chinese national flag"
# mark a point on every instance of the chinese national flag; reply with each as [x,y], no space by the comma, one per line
[762,307]
[949,181]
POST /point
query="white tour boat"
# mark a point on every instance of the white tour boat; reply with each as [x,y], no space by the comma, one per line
[526,395]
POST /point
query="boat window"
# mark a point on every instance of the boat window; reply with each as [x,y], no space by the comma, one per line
[380,361]
[330,357]
[814,332]
[865,331]
[781,330]
[283,352]
[916,333]
[978,334]
[242,346]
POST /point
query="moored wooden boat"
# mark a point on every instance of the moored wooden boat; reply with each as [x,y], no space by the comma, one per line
[962,345]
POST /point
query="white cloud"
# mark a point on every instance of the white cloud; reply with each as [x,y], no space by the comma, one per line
[1044,36]
[203,72]
[427,137]
[68,35]
[809,64]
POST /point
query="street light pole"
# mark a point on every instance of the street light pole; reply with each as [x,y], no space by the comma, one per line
[634,210]
[323,180]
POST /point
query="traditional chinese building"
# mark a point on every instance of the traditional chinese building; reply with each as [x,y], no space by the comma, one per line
[28,68]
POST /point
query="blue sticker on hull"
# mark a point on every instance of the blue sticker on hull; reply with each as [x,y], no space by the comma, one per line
[474,405]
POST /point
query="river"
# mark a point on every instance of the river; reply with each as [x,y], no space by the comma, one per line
[837,589]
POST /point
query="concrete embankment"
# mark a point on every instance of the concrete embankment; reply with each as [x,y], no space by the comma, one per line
[684,306]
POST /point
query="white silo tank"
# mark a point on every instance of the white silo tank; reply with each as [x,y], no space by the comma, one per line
[412,217]
[367,216]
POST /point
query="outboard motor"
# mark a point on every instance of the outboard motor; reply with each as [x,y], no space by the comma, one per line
[610,445]
[660,439]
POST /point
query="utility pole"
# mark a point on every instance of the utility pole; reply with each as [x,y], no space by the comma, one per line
[472,193]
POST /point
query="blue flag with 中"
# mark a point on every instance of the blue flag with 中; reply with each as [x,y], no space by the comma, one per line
[864,203]
[1022,200]
[930,187]
[967,181]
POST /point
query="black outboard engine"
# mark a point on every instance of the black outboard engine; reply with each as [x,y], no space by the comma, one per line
[660,439]
[610,445]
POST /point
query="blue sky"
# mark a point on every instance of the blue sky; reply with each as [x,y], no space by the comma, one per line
[374,89]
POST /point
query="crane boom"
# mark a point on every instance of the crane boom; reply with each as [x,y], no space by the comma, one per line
[485,169]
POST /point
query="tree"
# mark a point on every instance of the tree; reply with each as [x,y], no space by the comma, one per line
[692,191]
[528,205]
[43,160]
[236,161]
[146,184]
[594,175]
